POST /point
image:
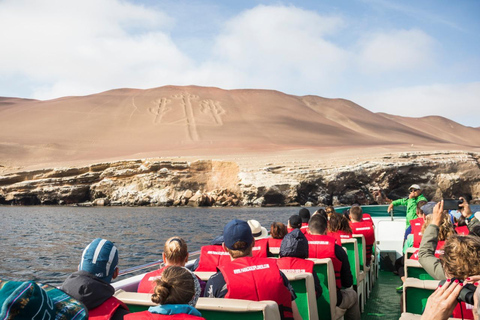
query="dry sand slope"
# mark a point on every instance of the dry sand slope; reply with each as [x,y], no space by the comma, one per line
[248,126]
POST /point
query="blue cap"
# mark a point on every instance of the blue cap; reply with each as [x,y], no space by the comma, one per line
[100,258]
[237,230]
[428,208]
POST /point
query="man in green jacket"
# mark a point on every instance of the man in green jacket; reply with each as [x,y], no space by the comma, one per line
[411,203]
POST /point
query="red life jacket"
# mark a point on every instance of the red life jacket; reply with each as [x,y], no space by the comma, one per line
[211,257]
[367,217]
[339,235]
[257,279]
[438,251]
[106,310]
[147,315]
[320,246]
[296,265]
[274,243]
[304,228]
[462,230]
[147,284]
[366,228]
[416,225]
[260,249]
[464,309]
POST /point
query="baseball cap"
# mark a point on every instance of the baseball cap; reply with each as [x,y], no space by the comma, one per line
[100,258]
[428,208]
[237,230]
[414,186]
[31,300]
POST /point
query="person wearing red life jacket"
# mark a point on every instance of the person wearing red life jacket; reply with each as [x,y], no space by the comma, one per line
[295,222]
[338,227]
[304,213]
[260,249]
[250,278]
[363,227]
[460,260]
[176,295]
[277,232]
[329,210]
[293,255]
[322,246]
[91,284]
[175,253]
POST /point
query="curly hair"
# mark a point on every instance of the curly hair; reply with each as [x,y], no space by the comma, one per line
[445,228]
[461,256]
[338,222]
[175,287]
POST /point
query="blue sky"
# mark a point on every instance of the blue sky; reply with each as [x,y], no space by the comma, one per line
[409,58]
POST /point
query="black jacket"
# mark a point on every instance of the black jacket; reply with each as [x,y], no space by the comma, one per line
[91,291]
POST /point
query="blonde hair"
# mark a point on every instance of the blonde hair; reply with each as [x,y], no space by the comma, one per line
[461,256]
[445,229]
[175,287]
[176,251]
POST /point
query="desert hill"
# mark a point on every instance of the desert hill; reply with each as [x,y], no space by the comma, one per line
[199,121]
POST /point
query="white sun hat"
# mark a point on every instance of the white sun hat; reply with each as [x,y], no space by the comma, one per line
[258,231]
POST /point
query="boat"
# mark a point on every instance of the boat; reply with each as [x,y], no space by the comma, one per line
[375,286]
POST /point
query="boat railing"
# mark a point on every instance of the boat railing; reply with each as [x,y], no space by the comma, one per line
[151,264]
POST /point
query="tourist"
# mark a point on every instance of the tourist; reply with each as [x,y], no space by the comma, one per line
[261,239]
[295,222]
[322,246]
[411,202]
[363,227]
[339,227]
[460,259]
[472,222]
[30,300]
[175,253]
[329,210]
[176,295]
[277,232]
[91,283]
[246,277]
[304,213]
[293,255]
[211,256]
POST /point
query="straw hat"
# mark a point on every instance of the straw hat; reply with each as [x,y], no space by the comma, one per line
[258,231]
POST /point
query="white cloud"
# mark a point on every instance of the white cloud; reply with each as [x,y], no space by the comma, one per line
[88,46]
[459,102]
[397,50]
[277,47]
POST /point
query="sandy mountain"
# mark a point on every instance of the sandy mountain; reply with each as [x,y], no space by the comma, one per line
[199,121]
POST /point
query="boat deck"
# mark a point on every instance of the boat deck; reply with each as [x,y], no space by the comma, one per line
[384,301]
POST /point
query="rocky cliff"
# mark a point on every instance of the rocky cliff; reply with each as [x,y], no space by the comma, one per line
[227,183]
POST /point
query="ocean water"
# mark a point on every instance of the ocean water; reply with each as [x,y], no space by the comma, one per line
[44,243]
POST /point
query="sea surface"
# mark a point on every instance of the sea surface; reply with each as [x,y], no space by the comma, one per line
[44,243]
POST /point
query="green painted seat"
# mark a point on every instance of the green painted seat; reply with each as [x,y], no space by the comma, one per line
[351,247]
[416,293]
[211,308]
[326,303]
[304,287]
[413,269]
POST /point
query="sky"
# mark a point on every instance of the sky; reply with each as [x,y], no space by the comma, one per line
[411,58]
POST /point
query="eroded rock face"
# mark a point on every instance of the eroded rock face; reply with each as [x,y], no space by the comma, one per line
[223,183]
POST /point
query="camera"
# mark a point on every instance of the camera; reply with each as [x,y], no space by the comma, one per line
[467,292]
[451,204]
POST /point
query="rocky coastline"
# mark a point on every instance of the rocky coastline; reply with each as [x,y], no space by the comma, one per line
[157,182]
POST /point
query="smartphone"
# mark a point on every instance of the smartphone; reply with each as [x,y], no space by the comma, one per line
[451,204]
